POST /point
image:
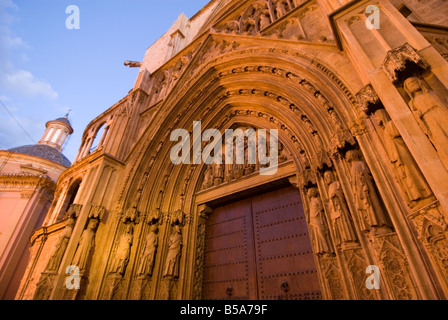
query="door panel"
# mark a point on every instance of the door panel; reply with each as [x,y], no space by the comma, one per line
[260,248]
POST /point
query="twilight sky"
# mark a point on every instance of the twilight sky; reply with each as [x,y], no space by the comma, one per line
[46,69]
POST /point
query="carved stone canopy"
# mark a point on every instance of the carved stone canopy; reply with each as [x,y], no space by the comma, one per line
[368,100]
[131,215]
[97,212]
[74,210]
[403,62]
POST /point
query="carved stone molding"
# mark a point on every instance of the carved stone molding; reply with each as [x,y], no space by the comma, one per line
[358,127]
[399,62]
[204,211]
[395,267]
[332,278]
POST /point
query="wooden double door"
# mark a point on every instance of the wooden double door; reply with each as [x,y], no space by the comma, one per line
[259,248]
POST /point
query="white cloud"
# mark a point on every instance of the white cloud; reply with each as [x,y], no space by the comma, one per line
[14,79]
[24,82]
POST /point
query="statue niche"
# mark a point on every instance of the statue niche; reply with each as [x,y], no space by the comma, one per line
[343,230]
[172,262]
[58,253]
[430,113]
[367,200]
[409,176]
[149,252]
[86,243]
[318,224]
[123,252]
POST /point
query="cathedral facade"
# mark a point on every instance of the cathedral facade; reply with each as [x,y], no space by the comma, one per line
[358,206]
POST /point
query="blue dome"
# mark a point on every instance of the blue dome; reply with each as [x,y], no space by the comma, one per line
[45,152]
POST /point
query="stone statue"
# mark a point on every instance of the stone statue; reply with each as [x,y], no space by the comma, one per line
[86,243]
[431,114]
[174,251]
[218,173]
[367,200]
[123,251]
[406,170]
[339,213]
[317,222]
[265,20]
[149,252]
[281,9]
[208,178]
[58,253]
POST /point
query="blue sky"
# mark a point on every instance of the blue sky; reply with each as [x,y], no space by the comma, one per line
[46,69]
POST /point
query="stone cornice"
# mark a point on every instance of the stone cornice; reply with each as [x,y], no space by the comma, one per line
[25,182]
[45,231]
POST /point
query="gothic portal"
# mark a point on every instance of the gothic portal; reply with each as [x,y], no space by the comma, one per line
[362,175]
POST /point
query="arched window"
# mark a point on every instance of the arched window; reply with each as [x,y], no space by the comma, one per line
[56,136]
[49,134]
[97,139]
[69,199]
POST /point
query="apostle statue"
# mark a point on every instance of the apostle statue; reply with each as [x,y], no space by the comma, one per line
[149,252]
[172,262]
[58,253]
[367,200]
[86,243]
[208,178]
[317,222]
[431,114]
[123,251]
[408,174]
[340,215]
[265,20]
[281,9]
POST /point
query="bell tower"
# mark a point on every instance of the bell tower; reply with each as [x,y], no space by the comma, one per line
[56,133]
